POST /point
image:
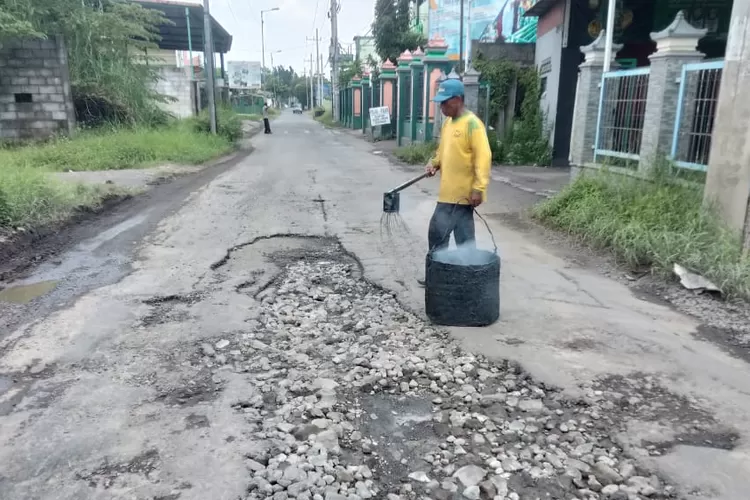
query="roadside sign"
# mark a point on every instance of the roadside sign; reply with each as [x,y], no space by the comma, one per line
[380,116]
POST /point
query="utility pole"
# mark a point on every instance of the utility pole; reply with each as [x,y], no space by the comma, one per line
[263,46]
[317,59]
[312,79]
[335,7]
[208,55]
[320,79]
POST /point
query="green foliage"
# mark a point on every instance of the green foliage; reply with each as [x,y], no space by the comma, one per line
[656,222]
[527,142]
[14,20]
[497,147]
[5,213]
[285,83]
[228,123]
[500,74]
[349,71]
[392,29]
[418,153]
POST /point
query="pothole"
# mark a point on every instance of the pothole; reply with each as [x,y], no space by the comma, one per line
[351,396]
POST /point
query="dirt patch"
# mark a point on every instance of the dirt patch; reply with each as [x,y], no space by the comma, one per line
[640,397]
[107,474]
[170,309]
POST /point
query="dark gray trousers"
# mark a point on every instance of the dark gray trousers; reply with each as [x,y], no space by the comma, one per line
[451,218]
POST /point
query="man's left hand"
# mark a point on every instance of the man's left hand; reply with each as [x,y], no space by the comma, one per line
[475,199]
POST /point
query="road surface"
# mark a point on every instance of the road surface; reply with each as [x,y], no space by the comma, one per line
[252,332]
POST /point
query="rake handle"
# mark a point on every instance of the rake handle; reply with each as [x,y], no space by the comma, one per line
[408,183]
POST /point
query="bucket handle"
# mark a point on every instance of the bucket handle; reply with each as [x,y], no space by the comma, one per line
[492,236]
[474,210]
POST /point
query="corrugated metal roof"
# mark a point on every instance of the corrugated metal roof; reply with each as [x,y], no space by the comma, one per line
[175,36]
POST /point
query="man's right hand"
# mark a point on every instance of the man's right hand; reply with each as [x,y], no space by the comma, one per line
[430,169]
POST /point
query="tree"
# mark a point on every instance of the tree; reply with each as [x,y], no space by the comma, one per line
[349,71]
[392,31]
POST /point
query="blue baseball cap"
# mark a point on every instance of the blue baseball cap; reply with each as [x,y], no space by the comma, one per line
[449,89]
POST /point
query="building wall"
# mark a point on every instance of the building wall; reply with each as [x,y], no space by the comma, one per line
[548,58]
[156,57]
[35,95]
[175,83]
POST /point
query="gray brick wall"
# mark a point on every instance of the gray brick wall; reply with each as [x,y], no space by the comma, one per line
[661,107]
[583,135]
[35,95]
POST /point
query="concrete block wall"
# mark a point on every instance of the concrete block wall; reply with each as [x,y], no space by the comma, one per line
[35,96]
[175,83]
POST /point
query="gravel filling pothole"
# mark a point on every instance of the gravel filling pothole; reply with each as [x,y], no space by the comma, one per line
[355,398]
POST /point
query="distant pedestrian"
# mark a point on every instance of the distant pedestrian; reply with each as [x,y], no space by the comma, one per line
[266,123]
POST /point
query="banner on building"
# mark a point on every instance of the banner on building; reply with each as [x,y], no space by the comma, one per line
[486,20]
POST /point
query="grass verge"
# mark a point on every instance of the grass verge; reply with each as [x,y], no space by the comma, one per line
[119,149]
[416,154]
[654,223]
[326,118]
[30,197]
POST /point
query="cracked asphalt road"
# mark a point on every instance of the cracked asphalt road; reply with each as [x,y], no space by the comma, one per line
[219,342]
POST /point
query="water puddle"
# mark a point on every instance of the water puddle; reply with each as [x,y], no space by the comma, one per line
[23,294]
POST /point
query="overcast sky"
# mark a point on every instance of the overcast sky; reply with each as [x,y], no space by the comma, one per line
[288,28]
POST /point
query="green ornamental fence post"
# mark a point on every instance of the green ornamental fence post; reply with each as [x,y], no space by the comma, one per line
[436,66]
[349,107]
[357,102]
[389,96]
[403,124]
[416,134]
[365,102]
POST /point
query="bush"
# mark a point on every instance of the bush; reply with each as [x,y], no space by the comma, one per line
[654,223]
[496,146]
[228,124]
[418,153]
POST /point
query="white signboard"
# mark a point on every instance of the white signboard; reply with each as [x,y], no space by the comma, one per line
[243,73]
[380,116]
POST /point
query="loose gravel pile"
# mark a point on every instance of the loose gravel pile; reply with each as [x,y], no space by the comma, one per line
[355,398]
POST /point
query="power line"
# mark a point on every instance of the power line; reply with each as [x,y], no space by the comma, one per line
[315,16]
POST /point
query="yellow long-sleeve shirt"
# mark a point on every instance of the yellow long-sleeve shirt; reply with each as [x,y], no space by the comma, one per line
[464,158]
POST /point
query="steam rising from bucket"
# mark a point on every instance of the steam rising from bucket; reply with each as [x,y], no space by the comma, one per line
[463,255]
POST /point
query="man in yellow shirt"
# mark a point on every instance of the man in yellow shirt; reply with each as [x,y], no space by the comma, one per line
[464,160]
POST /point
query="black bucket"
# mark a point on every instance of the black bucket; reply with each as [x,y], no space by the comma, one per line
[462,286]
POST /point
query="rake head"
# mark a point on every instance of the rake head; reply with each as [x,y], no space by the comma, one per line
[391,202]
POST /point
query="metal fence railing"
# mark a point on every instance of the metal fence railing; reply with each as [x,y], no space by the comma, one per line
[696,110]
[622,109]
